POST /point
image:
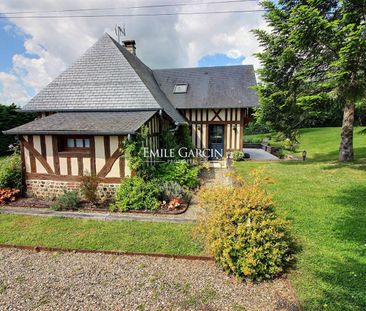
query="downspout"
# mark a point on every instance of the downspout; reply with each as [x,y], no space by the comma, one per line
[177,124]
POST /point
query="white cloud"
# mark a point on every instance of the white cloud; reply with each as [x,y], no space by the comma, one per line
[11,89]
[37,72]
[175,41]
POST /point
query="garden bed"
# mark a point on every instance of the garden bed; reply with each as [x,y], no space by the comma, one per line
[89,207]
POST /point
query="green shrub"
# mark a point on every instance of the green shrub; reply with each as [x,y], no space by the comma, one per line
[136,194]
[253,128]
[68,201]
[11,172]
[171,189]
[287,144]
[242,232]
[180,172]
[238,155]
[253,140]
[89,187]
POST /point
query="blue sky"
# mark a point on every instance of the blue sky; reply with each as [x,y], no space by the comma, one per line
[11,42]
[34,51]
[219,59]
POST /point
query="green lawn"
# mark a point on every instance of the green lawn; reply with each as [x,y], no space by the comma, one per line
[126,236]
[326,202]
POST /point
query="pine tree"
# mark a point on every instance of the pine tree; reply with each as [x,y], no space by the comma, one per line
[314,55]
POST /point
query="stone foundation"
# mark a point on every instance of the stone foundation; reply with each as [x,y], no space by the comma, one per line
[50,189]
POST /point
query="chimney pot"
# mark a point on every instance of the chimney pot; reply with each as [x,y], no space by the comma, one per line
[130,45]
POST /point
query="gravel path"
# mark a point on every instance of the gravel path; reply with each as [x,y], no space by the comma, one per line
[73,281]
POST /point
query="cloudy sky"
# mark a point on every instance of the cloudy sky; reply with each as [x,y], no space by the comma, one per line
[33,51]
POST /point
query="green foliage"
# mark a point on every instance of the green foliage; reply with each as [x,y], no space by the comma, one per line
[310,72]
[68,201]
[133,149]
[171,189]
[175,140]
[253,128]
[326,202]
[243,233]
[184,138]
[289,145]
[238,155]
[89,187]
[11,172]
[134,193]
[10,118]
[180,172]
[169,141]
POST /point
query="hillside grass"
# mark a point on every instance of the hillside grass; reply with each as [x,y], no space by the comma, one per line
[321,144]
[326,202]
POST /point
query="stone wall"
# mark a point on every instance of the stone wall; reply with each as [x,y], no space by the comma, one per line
[50,189]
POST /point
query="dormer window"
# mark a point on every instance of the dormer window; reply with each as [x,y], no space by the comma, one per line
[180,88]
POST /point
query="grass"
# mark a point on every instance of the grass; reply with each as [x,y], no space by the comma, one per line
[125,236]
[325,201]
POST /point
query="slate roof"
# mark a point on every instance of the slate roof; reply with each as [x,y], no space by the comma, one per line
[210,87]
[106,78]
[109,79]
[86,123]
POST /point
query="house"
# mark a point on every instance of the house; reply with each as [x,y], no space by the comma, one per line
[107,95]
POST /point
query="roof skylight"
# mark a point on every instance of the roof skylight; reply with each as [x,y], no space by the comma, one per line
[180,88]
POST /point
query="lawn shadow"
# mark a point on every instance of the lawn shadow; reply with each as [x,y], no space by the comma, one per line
[352,227]
[331,159]
[342,287]
[345,275]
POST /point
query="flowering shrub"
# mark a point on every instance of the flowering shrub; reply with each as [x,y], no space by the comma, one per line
[174,203]
[242,232]
[8,194]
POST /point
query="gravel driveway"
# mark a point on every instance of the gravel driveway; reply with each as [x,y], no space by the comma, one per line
[73,281]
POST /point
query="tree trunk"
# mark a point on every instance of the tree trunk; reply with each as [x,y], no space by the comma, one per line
[346,147]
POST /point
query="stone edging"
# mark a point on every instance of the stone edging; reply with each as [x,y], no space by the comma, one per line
[105,252]
[96,215]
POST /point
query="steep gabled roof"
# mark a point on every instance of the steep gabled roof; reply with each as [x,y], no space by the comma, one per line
[210,87]
[86,123]
[106,78]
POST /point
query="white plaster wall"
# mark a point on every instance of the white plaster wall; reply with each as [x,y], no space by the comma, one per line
[99,153]
[49,151]
[74,167]
[63,166]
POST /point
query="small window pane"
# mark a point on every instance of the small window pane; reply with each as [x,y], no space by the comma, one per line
[70,143]
[79,143]
[87,143]
[180,88]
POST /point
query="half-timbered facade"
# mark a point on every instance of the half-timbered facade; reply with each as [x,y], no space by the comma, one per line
[106,96]
[206,122]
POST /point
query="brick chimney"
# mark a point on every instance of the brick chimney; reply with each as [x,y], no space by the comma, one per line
[130,45]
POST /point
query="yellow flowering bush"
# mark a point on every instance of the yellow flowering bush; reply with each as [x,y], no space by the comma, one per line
[241,230]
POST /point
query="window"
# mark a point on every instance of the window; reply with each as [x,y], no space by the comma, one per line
[75,144]
[180,88]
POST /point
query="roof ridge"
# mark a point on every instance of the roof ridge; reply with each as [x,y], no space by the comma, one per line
[203,68]
[152,85]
